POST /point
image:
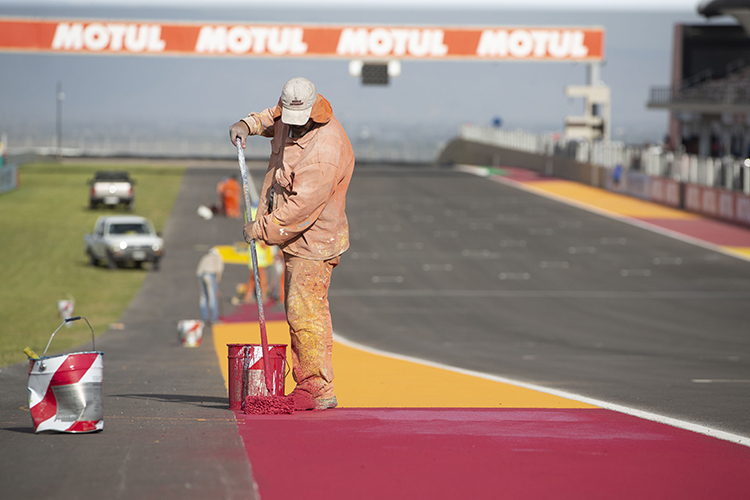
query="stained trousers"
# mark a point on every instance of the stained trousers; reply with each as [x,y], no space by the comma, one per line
[208,302]
[307,312]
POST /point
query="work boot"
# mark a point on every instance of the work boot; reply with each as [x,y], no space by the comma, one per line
[324,404]
[304,401]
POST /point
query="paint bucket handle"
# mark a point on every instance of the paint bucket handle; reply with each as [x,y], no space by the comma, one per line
[69,320]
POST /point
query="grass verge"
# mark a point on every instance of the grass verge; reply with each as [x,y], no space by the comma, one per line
[42,224]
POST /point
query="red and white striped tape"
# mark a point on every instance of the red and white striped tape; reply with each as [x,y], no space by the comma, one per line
[65,392]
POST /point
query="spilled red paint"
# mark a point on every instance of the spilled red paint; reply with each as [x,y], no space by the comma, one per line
[268,405]
[487,454]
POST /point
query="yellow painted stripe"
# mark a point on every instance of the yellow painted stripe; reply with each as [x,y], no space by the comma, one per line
[233,255]
[611,202]
[743,252]
[369,380]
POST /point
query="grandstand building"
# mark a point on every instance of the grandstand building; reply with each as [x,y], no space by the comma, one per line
[709,96]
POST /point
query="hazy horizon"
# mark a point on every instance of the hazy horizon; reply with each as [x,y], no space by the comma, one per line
[140,97]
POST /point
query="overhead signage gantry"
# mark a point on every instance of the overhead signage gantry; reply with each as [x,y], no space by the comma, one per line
[375,52]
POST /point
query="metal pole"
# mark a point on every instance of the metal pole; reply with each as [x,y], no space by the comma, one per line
[60,97]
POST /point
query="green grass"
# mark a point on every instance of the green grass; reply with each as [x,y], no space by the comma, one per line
[42,224]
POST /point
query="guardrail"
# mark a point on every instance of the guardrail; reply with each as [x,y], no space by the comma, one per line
[727,172]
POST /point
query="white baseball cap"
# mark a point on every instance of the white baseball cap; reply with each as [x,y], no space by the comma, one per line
[297,99]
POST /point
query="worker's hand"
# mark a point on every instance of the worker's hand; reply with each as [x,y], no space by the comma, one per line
[239,130]
[247,232]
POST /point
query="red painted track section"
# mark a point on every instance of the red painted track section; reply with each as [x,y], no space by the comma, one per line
[487,453]
[491,453]
[710,231]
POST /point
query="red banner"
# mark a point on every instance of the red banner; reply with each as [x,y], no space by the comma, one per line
[267,40]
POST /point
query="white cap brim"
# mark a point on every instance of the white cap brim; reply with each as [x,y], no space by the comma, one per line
[295,116]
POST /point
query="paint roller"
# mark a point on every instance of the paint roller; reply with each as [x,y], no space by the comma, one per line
[260,404]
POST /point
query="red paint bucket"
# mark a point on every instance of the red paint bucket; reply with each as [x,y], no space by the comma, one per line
[246,376]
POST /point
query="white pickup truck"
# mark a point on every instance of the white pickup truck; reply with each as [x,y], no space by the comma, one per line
[123,239]
[111,188]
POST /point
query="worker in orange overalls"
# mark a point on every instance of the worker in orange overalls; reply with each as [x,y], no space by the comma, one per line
[229,192]
[302,211]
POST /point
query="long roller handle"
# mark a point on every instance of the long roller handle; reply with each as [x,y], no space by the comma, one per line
[254,256]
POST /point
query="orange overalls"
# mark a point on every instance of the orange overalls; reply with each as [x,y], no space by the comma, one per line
[309,178]
[231,198]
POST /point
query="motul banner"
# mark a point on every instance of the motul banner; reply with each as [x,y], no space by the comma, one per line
[266,40]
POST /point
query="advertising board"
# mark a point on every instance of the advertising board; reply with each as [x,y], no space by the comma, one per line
[520,43]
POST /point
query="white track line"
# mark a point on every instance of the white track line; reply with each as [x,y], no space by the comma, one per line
[700,429]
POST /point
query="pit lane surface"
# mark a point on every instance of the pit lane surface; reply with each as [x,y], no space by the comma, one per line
[167,431]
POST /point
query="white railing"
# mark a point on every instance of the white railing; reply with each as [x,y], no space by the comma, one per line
[726,172]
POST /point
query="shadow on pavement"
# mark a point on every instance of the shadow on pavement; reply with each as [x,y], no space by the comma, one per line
[199,401]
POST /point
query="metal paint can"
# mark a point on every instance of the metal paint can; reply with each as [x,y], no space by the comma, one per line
[65,391]
[245,376]
[190,332]
[65,308]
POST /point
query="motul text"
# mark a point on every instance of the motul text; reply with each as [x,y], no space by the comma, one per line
[522,43]
[275,41]
[108,36]
[381,42]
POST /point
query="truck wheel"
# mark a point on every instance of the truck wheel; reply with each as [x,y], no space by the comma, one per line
[92,260]
[92,205]
[155,265]
[131,206]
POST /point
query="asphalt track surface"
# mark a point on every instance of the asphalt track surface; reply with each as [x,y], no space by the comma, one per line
[481,275]
[457,270]
[168,432]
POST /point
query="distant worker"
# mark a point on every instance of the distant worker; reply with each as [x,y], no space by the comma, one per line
[617,175]
[229,191]
[302,211]
[209,271]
